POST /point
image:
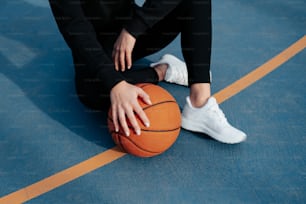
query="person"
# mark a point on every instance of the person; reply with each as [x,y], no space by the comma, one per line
[107,36]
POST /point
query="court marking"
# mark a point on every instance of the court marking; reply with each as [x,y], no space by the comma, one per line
[16,52]
[63,177]
[56,180]
[39,3]
[261,71]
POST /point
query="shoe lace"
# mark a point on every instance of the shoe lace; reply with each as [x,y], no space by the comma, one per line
[219,115]
[177,76]
[180,76]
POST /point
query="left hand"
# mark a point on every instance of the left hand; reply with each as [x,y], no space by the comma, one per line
[122,51]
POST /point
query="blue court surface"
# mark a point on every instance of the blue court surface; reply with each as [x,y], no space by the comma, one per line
[46,134]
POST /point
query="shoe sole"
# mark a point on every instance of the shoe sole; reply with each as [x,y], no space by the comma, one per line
[186,123]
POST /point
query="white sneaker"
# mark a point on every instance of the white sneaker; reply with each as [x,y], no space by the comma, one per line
[177,70]
[210,120]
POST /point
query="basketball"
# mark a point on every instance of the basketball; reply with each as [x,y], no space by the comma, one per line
[165,124]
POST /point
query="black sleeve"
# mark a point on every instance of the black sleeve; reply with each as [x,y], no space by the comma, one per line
[80,36]
[148,15]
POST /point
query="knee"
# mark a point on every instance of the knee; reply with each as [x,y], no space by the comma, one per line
[91,94]
[196,5]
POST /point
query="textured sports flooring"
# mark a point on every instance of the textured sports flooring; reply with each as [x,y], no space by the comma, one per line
[54,150]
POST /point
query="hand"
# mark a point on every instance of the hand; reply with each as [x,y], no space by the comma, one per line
[122,52]
[124,100]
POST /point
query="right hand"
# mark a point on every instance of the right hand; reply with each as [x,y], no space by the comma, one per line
[122,52]
[124,104]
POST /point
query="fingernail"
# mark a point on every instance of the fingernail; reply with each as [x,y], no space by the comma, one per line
[127,134]
[138,132]
[117,130]
[147,124]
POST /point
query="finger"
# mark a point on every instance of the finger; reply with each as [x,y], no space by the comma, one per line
[142,115]
[144,96]
[122,60]
[115,118]
[113,54]
[131,116]
[123,123]
[128,59]
[116,59]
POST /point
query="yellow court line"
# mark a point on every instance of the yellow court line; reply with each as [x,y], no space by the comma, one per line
[261,71]
[104,158]
[63,177]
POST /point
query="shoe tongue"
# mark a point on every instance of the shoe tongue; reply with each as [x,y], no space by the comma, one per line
[169,75]
[211,102]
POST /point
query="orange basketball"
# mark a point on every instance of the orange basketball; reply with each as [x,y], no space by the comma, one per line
[165,124]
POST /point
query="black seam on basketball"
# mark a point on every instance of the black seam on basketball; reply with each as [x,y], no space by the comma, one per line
[138,145]
[118,138]
[155,104]
[150,106]
[144,85]
[161,130]
[174,129]
[120,144]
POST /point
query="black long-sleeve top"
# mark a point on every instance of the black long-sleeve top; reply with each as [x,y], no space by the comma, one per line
[75,19]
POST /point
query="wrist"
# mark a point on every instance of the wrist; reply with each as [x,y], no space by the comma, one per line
[126,32]
[119,84]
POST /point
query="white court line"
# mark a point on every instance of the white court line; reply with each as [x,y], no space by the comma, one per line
[16,52]
[39,3]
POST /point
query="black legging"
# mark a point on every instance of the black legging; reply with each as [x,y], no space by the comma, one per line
[191,18]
